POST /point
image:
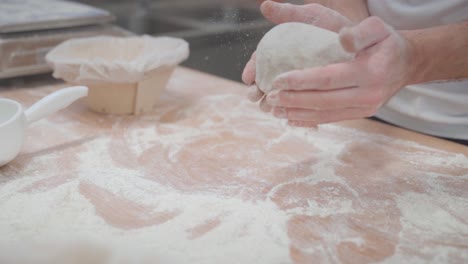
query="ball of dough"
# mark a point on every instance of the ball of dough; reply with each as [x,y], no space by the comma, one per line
[292,46]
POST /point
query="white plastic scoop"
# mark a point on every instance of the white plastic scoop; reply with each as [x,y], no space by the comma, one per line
[13,120]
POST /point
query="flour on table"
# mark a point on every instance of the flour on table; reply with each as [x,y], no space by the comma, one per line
[195,183]
[294,46]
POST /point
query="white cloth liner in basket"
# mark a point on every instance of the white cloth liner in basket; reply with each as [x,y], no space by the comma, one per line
[115,59]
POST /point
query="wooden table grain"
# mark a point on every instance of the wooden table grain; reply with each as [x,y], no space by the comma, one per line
[352,192]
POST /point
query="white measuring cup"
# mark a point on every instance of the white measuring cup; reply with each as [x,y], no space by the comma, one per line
[14,121]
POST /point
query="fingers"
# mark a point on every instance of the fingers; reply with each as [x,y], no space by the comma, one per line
[248,75]
[334,76]
[325,100]
[368,33]
[322,117]
[261,1]
[313,14]
[255,94]
[264,106]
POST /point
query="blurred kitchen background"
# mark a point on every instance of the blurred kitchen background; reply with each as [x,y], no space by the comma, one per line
[222,33]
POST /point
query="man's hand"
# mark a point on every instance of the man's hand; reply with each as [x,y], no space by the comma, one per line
[277,13]
[349,90]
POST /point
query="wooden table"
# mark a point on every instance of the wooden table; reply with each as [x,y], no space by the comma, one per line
[208,178]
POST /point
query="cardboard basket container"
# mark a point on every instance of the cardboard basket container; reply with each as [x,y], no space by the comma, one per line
[125,75]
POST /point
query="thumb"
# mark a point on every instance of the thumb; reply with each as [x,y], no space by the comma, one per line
[366,34]
[248,75]
[313,14]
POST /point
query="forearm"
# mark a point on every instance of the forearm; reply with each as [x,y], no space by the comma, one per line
[439,53]
[354,10]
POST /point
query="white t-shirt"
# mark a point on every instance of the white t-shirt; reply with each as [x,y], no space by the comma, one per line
[438,108]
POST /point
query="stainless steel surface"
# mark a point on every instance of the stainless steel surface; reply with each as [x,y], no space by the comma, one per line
[30,28]
[28,15]
[222,33]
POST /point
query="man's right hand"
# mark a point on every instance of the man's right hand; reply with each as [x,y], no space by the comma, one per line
[278,13]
